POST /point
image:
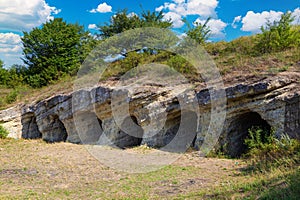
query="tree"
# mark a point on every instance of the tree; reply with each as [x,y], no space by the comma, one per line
[4,74]
[154,19]
[123,21]
[17,74]
[277,35]
[55,49]
[199,32]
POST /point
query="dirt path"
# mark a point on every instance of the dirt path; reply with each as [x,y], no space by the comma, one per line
[33,169]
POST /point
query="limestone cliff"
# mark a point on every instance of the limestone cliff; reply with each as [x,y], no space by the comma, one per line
[84,115]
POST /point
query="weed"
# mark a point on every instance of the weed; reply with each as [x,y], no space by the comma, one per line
[265,151]
[3,132]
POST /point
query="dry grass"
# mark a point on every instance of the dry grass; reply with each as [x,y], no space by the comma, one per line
[27,95]
[33,169]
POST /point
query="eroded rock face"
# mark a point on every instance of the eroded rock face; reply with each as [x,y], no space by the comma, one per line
[86,116]
[10,119]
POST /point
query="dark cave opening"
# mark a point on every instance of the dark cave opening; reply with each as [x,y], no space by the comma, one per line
[57,132]
[131,133]
[89,127]
[239,131]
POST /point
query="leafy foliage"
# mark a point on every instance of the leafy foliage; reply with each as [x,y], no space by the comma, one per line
[4,74]
[3,132]
[12,96]
[12,77]
[266,151]
[277,36]
[123,21]
[199,32]
[56,49]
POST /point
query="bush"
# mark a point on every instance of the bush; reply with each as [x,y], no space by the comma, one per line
[3,132]
[277,36]
[180,64]
[265,151]
[12,96]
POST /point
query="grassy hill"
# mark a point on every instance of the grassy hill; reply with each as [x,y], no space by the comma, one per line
[237,61]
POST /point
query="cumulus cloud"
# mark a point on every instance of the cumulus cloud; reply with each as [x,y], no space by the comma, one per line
[132,14]
[102,8]
[235,21]
[296,15]
[175,18]
[252,22]
[92,26]
[204,8]
[23,15]
[176,10]
[10,48]
[216,26]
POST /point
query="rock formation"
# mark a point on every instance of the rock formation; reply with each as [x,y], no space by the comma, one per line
[86,115]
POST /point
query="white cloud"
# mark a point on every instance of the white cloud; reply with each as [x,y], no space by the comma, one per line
[216,26]
[204,8]
[178,9]
[235,21]
[296,15]
[10,48]
[252,22]
[175,18]
[92,26]
[160,8]
[23,15]
[9,38]
[132,14]
[102,8]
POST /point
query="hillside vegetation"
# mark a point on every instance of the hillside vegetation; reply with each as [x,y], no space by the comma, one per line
[52,61]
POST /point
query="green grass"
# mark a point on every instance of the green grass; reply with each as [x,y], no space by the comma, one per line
[277,184]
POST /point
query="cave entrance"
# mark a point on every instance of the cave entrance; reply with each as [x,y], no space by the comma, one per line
[29,127]
[181,131]
[239,130]
[131,133]
[89,127]
[56,131]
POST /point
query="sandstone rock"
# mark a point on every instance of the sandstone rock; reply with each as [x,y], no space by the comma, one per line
[10,119]
[154,115]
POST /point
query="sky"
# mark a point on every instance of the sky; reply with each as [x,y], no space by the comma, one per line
[230,19]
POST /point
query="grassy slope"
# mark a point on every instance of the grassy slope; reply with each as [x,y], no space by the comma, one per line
[30,95]
[233,59]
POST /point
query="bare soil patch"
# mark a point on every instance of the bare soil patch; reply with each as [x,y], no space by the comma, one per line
[32,169]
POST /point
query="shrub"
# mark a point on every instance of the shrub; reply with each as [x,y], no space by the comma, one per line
[3,132]
[179,64]
[265,151]
[12,96]
[277,36]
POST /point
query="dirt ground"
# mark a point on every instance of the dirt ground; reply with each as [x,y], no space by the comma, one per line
[33,169]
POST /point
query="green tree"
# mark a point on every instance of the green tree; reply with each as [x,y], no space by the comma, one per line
[277,35]
[199,32]
[123,21]
[154,19]
[17,74]
[4,74]
[55,49]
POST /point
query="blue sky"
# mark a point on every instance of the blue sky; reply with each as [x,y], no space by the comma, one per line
[230,18]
